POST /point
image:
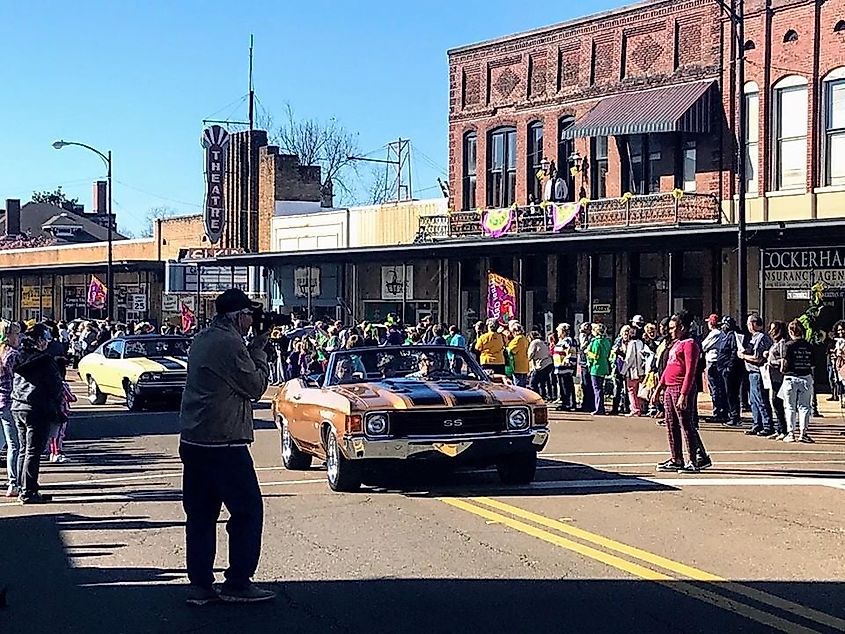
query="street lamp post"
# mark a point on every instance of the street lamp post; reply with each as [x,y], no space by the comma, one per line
[109,262]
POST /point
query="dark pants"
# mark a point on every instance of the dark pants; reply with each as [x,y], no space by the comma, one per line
[778,408]
[717,393]
[588,400]
[33,430]
[211,477]
[496,369]
[540,381]
[566,387]
[679,423]
[761,410]
[733,384]
[598,394]
[620,395]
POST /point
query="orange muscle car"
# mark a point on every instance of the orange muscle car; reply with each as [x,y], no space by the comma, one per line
[375,405]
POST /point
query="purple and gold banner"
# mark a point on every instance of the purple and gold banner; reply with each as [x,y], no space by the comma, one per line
[501,298]
[97,293]
[497,222]
[563,214]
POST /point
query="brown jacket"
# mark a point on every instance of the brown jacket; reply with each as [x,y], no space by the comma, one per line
[225,377]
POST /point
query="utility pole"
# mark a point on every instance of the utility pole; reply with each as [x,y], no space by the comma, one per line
[252,212]
[398,156]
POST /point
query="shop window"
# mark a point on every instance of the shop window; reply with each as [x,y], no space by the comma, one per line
[535,160]
[790,114]
[752,130]
[834,127]
[689,166]
[501,162]
[470,165]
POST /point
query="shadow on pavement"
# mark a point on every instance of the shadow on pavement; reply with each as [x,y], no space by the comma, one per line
[149,599]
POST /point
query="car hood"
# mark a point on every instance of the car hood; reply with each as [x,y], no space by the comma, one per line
[408,393]
[161,364]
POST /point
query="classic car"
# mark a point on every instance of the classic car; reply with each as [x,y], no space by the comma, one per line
[375,406]
[139,368]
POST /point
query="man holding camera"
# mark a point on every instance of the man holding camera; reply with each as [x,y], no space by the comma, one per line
[225,377]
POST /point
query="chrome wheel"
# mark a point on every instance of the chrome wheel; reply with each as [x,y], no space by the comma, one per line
[293,458]
[287,443]
[95,396]
[332,460]
[342,474]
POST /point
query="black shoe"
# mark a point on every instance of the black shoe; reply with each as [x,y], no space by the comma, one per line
[765,432]
[731,423]
[752,432]
[250,593]
[35,498]
[817,414]
[689,468]
[200,595]
[832,398]
[669,466]
[703,462]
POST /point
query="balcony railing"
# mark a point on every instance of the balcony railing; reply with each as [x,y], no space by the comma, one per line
[665,209]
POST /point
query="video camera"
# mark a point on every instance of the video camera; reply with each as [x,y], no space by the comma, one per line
[263,321]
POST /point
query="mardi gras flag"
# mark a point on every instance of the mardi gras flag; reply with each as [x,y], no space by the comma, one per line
[501,298]
[497,222]
[563,214]
[188,317]
[97,293]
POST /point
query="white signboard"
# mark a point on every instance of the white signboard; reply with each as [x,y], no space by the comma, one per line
[169,303]
[305,278]
[137,302]
[396,284]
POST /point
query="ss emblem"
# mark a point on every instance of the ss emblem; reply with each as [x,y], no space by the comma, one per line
[456,422]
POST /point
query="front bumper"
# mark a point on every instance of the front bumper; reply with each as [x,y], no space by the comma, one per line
[460,448]
[159,389]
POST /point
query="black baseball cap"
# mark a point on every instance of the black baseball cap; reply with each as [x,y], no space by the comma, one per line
[233,300]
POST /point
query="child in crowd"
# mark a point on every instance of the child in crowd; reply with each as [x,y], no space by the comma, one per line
[57,432]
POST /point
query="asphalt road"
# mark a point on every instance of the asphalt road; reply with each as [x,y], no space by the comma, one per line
[601,543]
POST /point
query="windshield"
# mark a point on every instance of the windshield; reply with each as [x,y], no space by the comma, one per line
[413,363]
[156,348]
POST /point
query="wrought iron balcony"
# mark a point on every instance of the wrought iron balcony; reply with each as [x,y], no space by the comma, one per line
[664,209]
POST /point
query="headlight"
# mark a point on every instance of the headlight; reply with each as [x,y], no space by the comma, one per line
[146,376]
[377,424]
[157,376]
[518,419]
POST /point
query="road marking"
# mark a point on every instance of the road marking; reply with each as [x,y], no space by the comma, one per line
[667,564]
[642,572]
[614,483]
[720,463]
[598,454]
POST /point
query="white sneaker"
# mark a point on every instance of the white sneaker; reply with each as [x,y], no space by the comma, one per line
[61,458]
[52,458]
[789,438]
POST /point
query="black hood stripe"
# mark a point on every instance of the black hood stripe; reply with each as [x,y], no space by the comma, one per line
[169,364]
[417,393]
[464,393]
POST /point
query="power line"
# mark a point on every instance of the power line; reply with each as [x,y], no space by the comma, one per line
[160,197]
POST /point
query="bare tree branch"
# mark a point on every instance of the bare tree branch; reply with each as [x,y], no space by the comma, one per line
[156,213]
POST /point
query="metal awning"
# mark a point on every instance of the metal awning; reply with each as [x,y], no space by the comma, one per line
[682,108]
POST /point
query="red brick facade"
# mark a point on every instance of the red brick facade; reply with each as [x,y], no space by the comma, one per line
[566,69]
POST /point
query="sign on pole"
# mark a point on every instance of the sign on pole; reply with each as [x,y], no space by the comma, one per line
[215,140]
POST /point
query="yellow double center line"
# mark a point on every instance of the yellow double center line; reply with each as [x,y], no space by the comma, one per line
[476,506]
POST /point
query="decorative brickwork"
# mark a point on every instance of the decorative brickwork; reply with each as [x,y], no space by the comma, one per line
[537,81]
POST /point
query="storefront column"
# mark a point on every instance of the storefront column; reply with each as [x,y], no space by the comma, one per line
[485,270]
[670,274]
[460,316]
[521,314]
[590,265]
[762,282]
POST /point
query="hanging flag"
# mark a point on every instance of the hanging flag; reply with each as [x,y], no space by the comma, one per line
[497,222]
[563,214]
[501,298]
[188,317]
[97,293]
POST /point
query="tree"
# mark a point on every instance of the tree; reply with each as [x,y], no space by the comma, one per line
[156,213]
[379,187]
[327,144]
[56,197]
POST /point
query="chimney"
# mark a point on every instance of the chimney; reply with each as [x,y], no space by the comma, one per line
[100,205]
[13,217]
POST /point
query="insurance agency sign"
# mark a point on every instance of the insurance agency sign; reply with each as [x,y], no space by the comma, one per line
[215,140]
[802,268]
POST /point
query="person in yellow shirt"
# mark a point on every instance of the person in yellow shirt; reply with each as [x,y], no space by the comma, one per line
[518,348]
[491,348]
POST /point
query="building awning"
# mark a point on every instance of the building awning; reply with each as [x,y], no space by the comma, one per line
[682,108]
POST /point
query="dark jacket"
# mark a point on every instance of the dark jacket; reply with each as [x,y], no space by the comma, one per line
[726,353]
[37,384]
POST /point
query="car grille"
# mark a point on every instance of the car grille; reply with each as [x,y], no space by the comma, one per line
[174,377]
[444,422]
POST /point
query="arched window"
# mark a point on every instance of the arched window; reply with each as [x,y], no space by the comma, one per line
[752,154]
[750,45]
[840,26]
[790,128]
[535,160]
[501,167]
[470,159]
[833,113]
[790,36]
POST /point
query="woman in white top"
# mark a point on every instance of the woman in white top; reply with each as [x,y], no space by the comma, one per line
[540,362]
[633,368]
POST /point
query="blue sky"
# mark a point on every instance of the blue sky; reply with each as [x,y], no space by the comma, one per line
[138,77]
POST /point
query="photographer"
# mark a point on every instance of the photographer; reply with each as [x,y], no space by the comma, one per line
[225,376]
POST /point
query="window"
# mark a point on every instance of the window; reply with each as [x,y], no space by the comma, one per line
[752,117]
[636,177]
[689,161]
[535,160]
[598,178]
[644,156]
[834,127]
[501,180]
[790,36]
[791,133]
[565,149]
[470,156]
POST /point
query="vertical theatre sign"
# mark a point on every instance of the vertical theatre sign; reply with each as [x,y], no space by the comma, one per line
[215,140]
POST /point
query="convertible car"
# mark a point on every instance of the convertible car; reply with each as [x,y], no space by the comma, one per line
[138,368]
[388,404]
